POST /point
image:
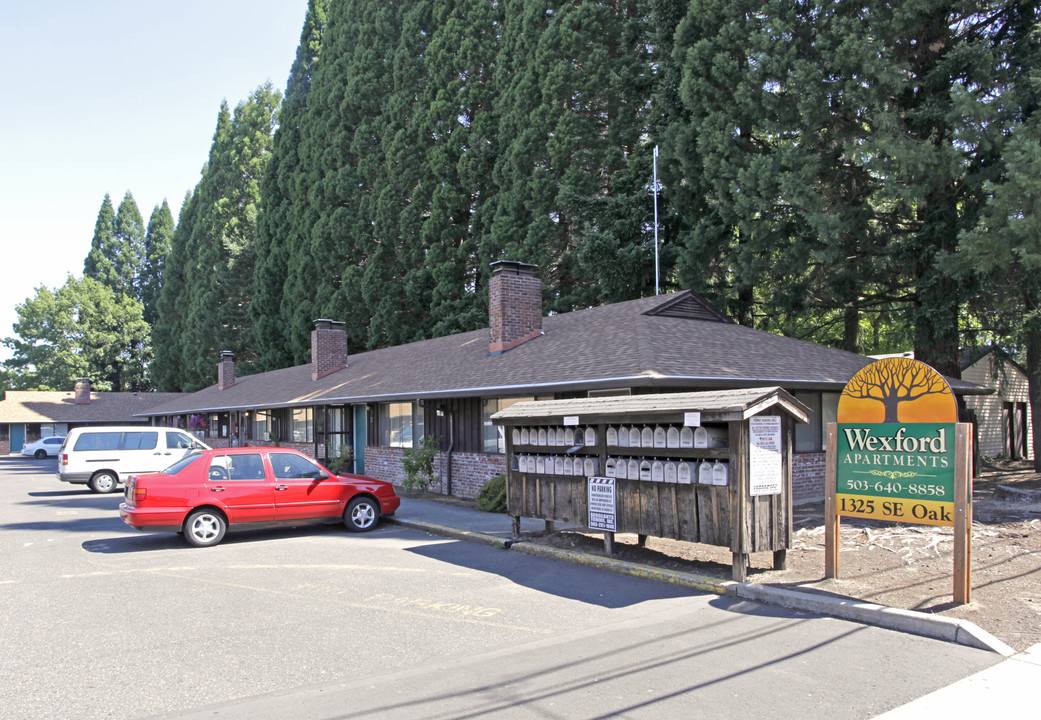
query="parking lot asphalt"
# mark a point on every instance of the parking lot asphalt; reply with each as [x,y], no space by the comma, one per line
[466,523]
[80,513]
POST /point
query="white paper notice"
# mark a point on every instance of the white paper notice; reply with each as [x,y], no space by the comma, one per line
[764,467]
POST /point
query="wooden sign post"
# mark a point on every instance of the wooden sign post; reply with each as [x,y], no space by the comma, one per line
[898,454]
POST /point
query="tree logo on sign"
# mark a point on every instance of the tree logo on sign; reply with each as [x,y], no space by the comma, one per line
[897,390]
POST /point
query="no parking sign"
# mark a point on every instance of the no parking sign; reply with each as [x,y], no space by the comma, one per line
[602,507]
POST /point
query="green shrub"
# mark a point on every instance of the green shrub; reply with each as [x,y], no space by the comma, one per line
[418,464]
[344,462]
[492,495]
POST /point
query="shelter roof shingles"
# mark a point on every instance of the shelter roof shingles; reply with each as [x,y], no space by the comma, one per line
[616,345]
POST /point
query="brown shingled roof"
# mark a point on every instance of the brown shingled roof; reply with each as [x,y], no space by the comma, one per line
[626,344]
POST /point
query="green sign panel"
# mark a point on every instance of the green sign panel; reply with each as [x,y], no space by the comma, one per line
[896,471]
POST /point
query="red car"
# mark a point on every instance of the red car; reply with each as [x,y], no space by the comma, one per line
[206,493]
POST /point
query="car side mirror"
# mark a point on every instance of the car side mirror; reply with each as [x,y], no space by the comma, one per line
[321,476]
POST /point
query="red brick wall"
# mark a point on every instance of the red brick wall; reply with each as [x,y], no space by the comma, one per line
[469,470]
[808,477]
[226,370]
[514,306]
[5,447]
[328,348]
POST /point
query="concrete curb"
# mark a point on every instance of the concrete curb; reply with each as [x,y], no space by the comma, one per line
[938,627]
[451,532]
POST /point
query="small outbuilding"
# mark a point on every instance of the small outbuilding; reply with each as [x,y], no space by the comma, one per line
[1003,419]
[28,415]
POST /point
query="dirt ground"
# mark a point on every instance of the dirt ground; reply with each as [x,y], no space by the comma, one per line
[902,566]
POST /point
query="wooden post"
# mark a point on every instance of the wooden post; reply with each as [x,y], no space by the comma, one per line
[740,519]
[831,517]
[609,543]
[740,566]
[963,514]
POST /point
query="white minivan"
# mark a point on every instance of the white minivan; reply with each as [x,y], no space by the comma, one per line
[103,456]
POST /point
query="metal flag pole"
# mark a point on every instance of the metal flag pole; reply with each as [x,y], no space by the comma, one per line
[657,269]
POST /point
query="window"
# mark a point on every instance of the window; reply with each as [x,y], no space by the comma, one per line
[333,429]
[181,464]
[829,413]
[98,441]
[263,426]
[808,435]
[59,429]
[400,425]
[237,467]
[494,435]
[217,425]
[613,392]
[288,466]
[813,436]
[140,440]
[178,441]
[301,425]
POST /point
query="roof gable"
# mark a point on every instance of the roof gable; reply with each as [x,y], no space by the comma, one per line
[688,305]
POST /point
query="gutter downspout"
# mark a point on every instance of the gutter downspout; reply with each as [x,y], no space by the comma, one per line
[448,453]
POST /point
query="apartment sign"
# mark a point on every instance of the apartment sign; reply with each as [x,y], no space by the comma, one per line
[897,452]
[895,444]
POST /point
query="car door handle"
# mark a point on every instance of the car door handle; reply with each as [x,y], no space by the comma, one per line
[281,487]
[217,488]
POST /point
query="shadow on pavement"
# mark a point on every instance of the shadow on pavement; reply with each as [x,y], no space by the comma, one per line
[562,579]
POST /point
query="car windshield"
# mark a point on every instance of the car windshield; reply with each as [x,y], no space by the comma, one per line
[181,464]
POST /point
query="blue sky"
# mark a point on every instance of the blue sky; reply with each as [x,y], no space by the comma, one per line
[110,96]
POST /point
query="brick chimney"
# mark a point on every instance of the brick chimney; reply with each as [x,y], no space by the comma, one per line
[328,348]
[226,370]
[82,391]
[514,305]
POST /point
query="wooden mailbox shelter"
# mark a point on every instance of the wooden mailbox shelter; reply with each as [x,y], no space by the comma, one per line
[707,467]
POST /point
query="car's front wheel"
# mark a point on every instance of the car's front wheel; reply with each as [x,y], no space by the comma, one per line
[103,482]
[40,454]
[362,514]
[205,528]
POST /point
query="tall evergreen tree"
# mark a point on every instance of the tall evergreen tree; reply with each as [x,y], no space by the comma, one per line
[169,329]
[344,158]
[573,178]
[130,244]
[100,262]
[1005,248]
[845,143]
[157,241]
[282,231]
[219,276]
[457,116]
